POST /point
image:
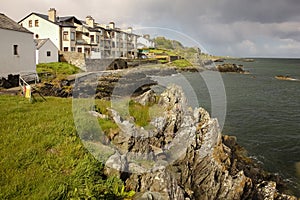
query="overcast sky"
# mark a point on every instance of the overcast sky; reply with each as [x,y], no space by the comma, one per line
[245,28]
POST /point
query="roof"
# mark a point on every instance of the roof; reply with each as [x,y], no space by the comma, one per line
[61,21]
[9,24]
[40,42]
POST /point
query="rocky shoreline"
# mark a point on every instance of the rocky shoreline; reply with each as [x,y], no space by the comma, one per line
[210,165]
[127,79]
[184,156]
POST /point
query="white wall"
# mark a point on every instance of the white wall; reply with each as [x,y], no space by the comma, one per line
[45,29]
[143,42]
[68,43]
[24,61]
[42,53]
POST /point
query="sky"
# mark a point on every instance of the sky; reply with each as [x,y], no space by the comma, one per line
[240,28]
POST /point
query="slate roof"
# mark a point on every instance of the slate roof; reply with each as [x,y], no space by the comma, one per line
[60,21]
[9,24]
[40,42]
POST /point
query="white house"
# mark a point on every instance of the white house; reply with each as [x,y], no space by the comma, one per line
[70,34]
[59,30]
[46,51]
[145,42]
[17,49]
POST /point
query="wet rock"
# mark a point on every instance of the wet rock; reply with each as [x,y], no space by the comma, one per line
[228,67]
[286,78]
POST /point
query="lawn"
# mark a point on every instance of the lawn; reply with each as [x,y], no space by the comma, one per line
[42,157]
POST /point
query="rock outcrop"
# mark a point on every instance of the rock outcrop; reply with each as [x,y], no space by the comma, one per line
[184,156]
[100,86]
[286,78]
[228,67]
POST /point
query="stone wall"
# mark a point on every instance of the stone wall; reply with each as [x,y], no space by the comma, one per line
[98,64]
[74,58]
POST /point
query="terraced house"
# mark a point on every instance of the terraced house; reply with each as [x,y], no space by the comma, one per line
[70,34]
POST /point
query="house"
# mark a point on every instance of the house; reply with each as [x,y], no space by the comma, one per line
[17,49]
[70,34]
[46,51]
[61,31]
[145,42]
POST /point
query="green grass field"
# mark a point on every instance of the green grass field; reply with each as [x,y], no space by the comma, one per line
[42,157]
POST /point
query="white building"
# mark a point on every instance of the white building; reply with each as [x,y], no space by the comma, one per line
[17,49]
[70,34]
[145,42]
[61,31]
[46,51]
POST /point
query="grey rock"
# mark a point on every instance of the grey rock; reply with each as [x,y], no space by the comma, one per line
[185,156]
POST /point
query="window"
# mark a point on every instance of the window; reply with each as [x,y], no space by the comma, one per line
[30,23]
[79,50]
[48,53]
[65,36]
[73,36]
[16,50]
[37,36]
[36,23]
[92,38]
[73,49]
[66,49]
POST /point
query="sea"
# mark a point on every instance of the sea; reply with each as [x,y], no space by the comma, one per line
[260,110]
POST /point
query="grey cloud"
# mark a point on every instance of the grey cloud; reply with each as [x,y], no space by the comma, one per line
[234,27]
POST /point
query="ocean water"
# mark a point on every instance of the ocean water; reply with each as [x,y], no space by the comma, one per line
[263,112]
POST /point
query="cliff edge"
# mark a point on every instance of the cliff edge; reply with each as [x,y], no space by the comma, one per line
[183,155]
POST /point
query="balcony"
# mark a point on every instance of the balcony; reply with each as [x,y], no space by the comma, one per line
[81,42]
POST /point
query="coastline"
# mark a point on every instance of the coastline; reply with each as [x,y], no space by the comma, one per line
[245,157]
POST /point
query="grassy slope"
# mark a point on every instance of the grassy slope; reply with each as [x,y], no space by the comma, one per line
[60,68]
[42,157]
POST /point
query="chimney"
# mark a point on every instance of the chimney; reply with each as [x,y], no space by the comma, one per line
[90,21]
[129,30]
[111,25]
[146,36]
[52,15]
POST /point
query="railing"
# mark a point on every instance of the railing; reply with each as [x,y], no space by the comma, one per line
[25,87]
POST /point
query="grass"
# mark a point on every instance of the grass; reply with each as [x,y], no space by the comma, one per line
[140,113]
[182,63]
[128,109]
[59,70]
[42,157]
